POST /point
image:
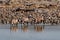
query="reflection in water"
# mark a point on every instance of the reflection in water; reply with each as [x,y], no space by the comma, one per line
[34,32]
[25,28]
[38,28]
[14,28]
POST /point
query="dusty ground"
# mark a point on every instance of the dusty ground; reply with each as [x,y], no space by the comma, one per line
[35,10]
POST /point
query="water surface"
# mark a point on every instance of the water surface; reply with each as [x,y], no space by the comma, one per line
[29,33]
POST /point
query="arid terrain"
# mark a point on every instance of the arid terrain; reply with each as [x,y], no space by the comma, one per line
[32,11]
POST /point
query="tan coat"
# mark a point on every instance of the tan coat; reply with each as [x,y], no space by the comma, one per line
[14,21]
[25,19]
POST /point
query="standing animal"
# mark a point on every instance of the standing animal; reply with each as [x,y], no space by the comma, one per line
[25,20]
[14,21]
[39,20]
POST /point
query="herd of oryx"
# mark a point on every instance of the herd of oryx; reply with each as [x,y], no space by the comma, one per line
[37,20]
[34,13]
